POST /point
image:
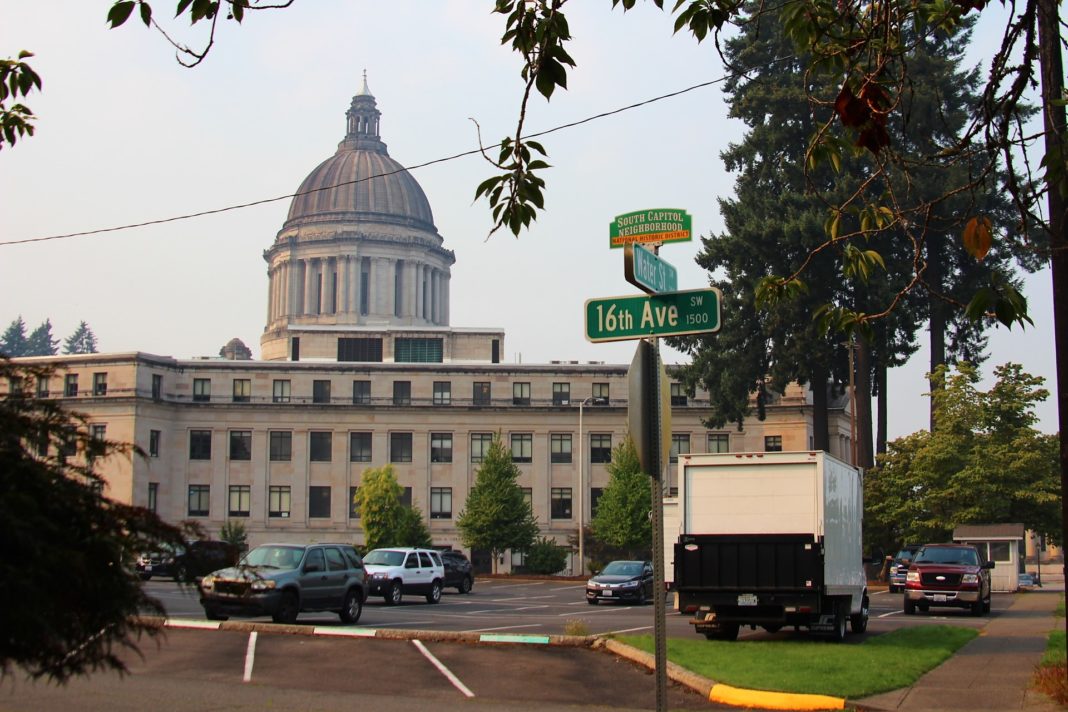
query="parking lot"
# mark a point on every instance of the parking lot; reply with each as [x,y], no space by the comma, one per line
[546,607]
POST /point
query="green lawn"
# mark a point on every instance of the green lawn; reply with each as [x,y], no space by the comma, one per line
[882,663]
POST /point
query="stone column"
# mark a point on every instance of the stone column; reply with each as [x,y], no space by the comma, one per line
[343,284]
[285,289]
[296,286]
[445,298]
[310,284]
[385,286]
[411,276]
[326,287]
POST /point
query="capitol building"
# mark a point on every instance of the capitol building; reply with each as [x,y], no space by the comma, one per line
[360,368]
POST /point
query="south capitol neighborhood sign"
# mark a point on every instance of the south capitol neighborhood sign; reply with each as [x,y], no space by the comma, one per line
[645,226]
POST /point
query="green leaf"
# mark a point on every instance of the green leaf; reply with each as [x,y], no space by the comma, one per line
[120,12]
[146,14]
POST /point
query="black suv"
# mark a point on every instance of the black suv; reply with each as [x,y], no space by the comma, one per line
[457,571]
[185,563]
[284,580]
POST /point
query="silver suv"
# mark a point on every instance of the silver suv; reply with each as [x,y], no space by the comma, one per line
[395,571]
[283,580]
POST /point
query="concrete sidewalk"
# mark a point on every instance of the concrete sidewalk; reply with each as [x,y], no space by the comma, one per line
[993,671]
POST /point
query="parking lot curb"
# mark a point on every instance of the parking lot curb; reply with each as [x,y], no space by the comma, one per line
[726,694]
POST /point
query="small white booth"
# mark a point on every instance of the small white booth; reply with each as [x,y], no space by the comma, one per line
[1001,543]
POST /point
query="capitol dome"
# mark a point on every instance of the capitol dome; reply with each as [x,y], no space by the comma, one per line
[359,248]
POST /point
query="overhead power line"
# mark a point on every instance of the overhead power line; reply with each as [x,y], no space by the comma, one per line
[264,201]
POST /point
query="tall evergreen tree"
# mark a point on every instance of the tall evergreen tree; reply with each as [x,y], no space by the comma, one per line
[41,342]
[82,341]
[13,341]
[496,517]
[622,517]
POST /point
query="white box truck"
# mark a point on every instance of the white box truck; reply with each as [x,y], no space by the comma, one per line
[767,539]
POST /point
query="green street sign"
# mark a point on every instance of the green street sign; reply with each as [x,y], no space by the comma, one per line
[694,311]
[645,226]
[647,271]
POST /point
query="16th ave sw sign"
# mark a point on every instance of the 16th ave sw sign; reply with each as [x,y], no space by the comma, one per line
[694,311]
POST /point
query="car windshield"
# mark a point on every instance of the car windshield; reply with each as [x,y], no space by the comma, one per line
[905,555]
[384,557]
[947,555]
[275,557]
[622,568]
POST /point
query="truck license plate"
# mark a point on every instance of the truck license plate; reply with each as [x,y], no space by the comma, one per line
[747,599]
[940,598]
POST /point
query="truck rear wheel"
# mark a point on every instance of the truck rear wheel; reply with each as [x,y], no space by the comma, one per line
[859,623]
[840,614]
[727,631]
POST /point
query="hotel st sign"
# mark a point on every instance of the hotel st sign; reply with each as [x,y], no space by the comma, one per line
[694,311]
[658,225]
[648,272]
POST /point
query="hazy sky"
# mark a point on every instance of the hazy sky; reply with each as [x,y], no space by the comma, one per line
[126,135]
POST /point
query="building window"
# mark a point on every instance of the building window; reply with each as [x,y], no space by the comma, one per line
[528,496]
[361,350]
[522,447]
[560,503]
[417,350]
[321,391]
[600,394]
[201,390]
[772,443]
[318,502]
[561,394]
[240,500]
[354,507]
[278,498]
[361,393]
[153,443]
[402,393]
[198,500]
[157,387]
[98,430]
[406,497]
[481,393]
[520,394]
[719,442]
[441,502]
[442,392]
[560,447]
[680,445]
[320,448]
[480,445]
[400,447]
[199,444]
[68,447]
[70,385]
[441,447]
[595,499]
[678,394]
[42,387]
[600,448]
[280,391]
[242,390]
[240,444]
[153,497]
[100,384]
[281,445]
[359,447]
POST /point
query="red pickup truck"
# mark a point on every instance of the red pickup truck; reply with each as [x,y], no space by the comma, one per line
[952,575]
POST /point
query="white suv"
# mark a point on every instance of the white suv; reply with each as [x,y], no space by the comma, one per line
[395,571]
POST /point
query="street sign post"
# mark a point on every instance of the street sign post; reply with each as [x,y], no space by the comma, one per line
[655,225]
[646,271]
[694,311]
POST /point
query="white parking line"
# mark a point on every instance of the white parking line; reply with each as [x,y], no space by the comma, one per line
[496,587]
[891,613]
[442,669]
[250,655]
[628,630]
[527,608]
[568,588]
[504,627]
[599,610]
[518,598]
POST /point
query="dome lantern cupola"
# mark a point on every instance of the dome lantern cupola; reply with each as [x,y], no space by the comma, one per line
[363,118]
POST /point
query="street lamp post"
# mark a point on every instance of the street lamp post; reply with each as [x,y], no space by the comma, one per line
[581,488]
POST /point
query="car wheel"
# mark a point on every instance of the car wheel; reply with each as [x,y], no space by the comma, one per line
[352,608]
[181,575]
[977,607]
[772,627]
[435,593]
[727,631]
[986,603]
[910,608]
[641,597]
[923,607]
[145,577]
[465,585]
[288,609]
[394,594]
[591,601]
[859,623]
[212,614]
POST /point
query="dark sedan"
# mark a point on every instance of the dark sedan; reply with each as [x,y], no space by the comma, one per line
[622,581]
